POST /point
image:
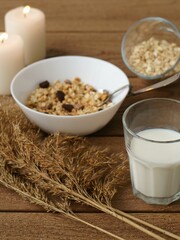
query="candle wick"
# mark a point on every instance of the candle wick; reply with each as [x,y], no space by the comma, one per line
[26,11]
[3,38]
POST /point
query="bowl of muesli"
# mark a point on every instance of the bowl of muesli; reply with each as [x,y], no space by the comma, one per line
[151,48]
[64,94]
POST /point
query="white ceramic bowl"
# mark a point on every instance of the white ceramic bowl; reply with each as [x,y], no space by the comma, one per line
[98,73]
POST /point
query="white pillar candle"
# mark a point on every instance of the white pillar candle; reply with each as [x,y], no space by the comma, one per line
[11,60]
[29,23]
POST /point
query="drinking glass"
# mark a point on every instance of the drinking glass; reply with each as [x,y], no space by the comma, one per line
[152,139]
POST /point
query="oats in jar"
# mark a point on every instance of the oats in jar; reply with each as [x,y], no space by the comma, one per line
[153,57]
[67,98]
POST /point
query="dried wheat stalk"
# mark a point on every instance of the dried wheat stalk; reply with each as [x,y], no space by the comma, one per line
[38,196]
[69,172]
[158,229]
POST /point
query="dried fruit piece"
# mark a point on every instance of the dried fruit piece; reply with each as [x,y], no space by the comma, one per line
[60,95]
[44,84]
[50,106]
[68,107]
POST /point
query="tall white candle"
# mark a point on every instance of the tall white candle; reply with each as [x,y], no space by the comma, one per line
[11,60]
[29,23]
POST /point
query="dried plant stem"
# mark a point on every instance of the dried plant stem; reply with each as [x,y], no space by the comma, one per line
[105,209]
[55,209]
[40,177]
[96,227]
[167,233]
[88,201]
[37,166]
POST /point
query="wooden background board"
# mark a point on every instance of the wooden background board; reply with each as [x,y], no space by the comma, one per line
[96,16]
[92,28]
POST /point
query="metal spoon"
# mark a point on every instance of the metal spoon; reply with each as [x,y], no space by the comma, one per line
[149,88]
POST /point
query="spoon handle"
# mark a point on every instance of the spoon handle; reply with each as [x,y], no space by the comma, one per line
[157,85]
[120,89]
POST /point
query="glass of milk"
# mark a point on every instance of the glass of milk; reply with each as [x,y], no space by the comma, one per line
[152,139]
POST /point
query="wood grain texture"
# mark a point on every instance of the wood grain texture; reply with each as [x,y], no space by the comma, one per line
[92,28]
[93,15]
[36,226]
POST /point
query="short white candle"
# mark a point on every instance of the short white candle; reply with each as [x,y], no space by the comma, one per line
[11,60]
[29,23]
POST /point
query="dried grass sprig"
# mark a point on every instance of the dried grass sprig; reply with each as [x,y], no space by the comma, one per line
[35,195]
[85,174]
[117,174]
[158,229]
[90,200]
[92,169]
[27,166]
[86,165]
[52,187]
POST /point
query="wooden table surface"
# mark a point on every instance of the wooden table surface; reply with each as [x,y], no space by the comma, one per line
[92,28]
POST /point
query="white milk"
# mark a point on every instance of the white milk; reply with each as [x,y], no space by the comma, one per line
[155,167]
